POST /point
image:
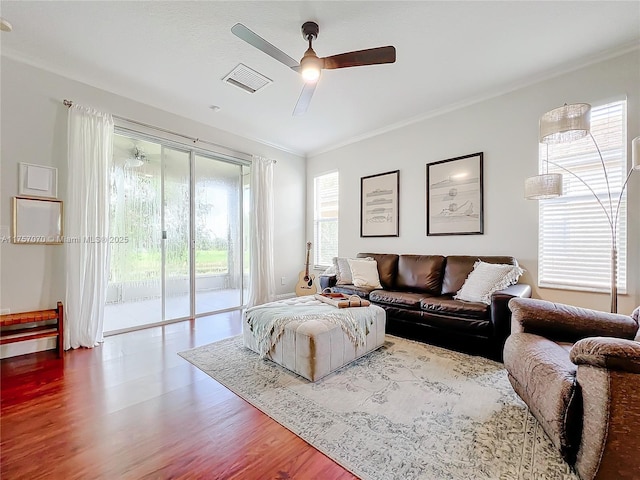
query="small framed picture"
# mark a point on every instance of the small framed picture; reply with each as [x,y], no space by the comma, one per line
[37,181]
[455,196]
[37,221]
[379,197]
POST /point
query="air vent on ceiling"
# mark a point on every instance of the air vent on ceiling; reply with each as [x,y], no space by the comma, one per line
[247,79]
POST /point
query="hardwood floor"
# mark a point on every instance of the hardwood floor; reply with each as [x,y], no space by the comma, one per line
[133,409]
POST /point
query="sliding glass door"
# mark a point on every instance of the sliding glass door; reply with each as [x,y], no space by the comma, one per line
[134,292]
[180,218]
[218,234]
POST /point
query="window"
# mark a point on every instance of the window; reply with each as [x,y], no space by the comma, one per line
[325,218]
[574,235]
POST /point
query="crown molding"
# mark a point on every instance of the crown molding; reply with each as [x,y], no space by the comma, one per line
[547,75]
[35,63]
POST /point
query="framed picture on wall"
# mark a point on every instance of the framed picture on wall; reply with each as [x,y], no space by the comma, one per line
[379,209]
[37,221]
[37,181]
[455,196]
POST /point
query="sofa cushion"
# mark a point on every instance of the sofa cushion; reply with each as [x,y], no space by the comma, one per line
[456,326]
[400,299]
[544,377]
[448,306]
[458,267]
[387,267]
[420,273]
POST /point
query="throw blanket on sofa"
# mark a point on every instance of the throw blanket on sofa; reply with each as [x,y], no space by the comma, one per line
[267,322]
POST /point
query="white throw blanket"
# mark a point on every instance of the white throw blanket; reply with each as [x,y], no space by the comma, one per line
[267,322]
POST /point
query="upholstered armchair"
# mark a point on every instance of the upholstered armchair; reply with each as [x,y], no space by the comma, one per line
[578,371]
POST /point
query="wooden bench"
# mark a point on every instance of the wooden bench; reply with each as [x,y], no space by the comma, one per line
[29,331]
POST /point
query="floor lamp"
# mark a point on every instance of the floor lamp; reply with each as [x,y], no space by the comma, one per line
[566,124]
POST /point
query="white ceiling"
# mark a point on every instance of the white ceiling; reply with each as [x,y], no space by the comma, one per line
[173,55]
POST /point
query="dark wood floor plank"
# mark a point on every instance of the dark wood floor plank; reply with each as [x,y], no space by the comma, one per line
[133,409]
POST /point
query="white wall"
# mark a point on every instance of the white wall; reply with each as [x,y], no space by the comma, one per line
[505,128]
[34,130]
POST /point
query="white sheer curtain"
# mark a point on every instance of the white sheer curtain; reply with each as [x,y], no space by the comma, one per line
[86,227]
[262,280]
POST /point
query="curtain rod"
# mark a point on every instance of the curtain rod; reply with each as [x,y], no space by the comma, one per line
[69,103]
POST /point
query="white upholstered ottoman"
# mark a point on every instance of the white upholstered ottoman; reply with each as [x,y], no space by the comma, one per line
[313,343]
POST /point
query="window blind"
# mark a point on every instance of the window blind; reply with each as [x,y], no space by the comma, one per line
[325,219]
[574,232]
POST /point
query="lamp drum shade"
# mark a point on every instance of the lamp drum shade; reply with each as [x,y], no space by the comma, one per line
[566,123]
[544,186]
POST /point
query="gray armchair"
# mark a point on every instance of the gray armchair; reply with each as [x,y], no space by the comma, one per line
[578,371]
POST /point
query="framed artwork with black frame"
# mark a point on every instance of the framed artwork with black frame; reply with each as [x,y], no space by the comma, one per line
[379,205]
[455,196]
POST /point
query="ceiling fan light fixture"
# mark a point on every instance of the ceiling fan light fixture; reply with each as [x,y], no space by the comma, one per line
[136,160]
[133,163]
[310,67]
[311,74]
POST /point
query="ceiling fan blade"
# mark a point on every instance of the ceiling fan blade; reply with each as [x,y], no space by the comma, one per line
[260,43]
[305,98]
[370,56]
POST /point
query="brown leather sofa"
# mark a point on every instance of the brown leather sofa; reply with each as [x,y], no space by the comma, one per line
[578,370]
[417,294]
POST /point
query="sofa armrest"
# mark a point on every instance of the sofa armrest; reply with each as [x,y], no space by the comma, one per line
[607,352]
[521,290]
[327,281]
[500,313]
[609,380]
[561,322]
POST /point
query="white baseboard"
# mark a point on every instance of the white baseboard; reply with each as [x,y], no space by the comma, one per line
[28,346]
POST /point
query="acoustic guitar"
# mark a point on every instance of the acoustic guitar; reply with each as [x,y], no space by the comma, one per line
[306,281]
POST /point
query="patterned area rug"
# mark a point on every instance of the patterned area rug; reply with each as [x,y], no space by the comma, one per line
[405,411]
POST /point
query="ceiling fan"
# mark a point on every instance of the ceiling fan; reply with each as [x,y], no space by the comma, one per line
[310,65]
[136,159]
[130,156]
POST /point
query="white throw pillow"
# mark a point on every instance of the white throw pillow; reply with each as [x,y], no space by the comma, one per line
[487,278]
[364,273]
[343,270]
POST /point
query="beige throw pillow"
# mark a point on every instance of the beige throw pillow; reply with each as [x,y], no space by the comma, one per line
[364,273]
[343,270]
[487,278]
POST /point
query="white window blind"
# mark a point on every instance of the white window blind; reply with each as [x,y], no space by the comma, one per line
[325,219]
[574,233]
